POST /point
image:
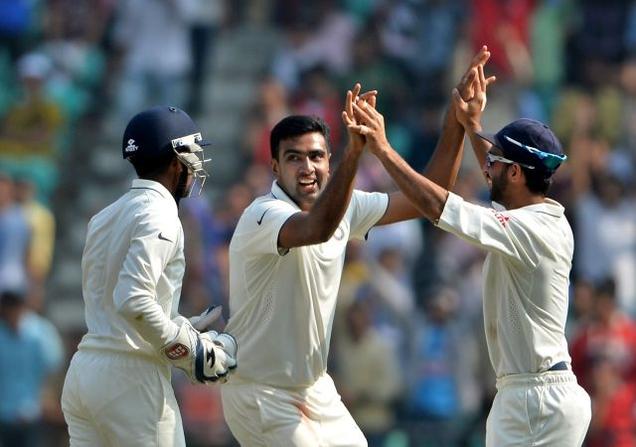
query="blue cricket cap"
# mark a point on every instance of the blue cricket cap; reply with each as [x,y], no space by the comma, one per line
[529,142]
[156,131]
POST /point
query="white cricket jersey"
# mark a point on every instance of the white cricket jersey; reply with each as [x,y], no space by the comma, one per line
[282,304]
[526,280]
[132,268]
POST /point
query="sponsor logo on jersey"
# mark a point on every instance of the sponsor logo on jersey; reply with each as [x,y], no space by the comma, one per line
[132,147]
[260,221]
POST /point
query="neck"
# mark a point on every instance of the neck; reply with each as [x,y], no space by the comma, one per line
[303,207]
[163,179]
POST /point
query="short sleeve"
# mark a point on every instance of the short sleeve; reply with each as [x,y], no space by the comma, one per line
[366,209]
[503,232]
[259,226]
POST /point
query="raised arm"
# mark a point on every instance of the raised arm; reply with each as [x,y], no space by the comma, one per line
[318,224]
[446,160]
[469,113]
[425,196]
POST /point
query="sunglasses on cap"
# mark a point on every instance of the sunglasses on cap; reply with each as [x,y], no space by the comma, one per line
[549,160]
[492,158]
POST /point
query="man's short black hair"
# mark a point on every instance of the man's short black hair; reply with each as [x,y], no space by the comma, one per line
[295,126]
[152,166]
[12,298]
[606,288]
[538,180]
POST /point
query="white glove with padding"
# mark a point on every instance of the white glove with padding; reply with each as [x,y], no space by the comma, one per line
[205,357]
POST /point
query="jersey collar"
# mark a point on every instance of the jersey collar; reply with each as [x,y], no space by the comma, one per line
[280,194]
[549,206]
[139,183]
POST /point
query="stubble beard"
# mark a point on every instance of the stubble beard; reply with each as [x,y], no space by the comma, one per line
[497,188]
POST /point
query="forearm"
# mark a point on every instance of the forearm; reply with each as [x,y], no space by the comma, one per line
[446,160]
[148,318]
[329,209]
[426,196]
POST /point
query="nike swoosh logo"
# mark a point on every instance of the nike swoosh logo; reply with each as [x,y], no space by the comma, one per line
[260,221]
[163,238]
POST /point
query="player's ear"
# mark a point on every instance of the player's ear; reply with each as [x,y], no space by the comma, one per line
[516,173]
[275,168]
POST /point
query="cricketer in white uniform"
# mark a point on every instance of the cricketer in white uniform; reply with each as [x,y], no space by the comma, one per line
[282,308]
[286,260]
[526,273]
[117,389]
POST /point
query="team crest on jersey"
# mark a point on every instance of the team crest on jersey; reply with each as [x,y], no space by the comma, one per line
[132,147]
[501,217]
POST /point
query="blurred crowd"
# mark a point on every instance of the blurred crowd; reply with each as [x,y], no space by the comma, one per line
[408,353]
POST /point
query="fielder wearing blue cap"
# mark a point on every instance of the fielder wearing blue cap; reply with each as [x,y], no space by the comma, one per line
[529,246]
[530,143]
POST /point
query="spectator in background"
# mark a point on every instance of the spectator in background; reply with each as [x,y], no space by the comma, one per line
[32,126]
[205,18]
[503,25]
[369,387]
[606,237]
[613,407]
[611,332]
[441,359]
[319,97]
[41,224]
[14,239]
[548,29]
[422,35]
[323,35]
[271,106]
[582,311]
[154,37]
[71,37]
[30,350]
[370,66]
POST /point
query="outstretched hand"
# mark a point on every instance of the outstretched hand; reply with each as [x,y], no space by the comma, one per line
[370,124]
[356,139]
[465,86]
[469,97]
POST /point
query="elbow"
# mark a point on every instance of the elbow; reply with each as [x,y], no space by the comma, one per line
[325,232]
[319,236]
[124,307]
[324,236]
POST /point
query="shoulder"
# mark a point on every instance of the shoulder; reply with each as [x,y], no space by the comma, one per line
[368,200]
[263,205]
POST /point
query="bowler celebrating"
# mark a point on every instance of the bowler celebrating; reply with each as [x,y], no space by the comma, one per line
[286,260]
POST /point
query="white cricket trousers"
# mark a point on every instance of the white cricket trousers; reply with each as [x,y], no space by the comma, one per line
[113,399]
[262,415]
[546,409]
